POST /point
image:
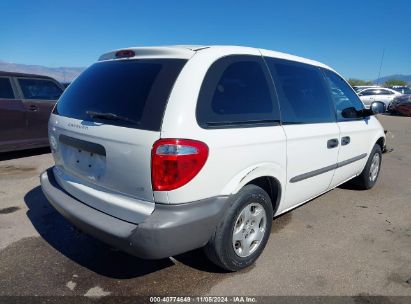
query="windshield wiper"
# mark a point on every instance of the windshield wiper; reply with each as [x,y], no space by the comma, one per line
[110,116]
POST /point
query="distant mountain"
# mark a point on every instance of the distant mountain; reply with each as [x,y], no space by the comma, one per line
[406,78]
[62,74]
[67,74]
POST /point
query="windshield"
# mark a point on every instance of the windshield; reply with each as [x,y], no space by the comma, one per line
[130,93]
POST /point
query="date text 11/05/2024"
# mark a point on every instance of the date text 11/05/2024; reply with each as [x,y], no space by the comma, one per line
[223,299]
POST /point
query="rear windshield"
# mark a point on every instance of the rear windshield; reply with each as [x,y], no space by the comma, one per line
[129,93]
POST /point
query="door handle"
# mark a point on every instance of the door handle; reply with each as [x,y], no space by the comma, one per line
[33,108]
[345,140]
[332,143]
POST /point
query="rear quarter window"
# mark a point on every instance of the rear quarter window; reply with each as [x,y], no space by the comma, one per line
[136,90]
[236,92]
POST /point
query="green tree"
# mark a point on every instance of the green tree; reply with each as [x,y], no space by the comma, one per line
[395,82]
[358,82]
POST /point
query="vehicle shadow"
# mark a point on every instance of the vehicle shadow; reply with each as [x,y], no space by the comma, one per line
[198,260]
[81,248]
[95,255]
[350,185]
[23,153]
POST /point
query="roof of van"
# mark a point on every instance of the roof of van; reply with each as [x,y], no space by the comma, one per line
[17,74]
[171,51]
[187,51]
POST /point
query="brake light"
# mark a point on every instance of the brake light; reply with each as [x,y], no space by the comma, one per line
[125,54]
[175,162]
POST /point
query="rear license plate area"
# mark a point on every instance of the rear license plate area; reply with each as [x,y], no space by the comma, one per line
[82,157]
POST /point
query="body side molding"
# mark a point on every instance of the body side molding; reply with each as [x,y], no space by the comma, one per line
[316,172]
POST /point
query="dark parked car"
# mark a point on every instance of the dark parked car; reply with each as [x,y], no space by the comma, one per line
[26,101]
[401,105]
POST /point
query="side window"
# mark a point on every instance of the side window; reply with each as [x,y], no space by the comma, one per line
[344,97]
[380,92]
[6,91]
[302,92]
[366,93]
[386,92]
[39,89]
[236,91]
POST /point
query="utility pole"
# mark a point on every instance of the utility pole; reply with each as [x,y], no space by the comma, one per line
[379,72]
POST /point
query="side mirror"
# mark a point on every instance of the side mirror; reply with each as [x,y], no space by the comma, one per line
[377,107]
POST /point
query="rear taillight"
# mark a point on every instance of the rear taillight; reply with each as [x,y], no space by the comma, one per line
[175,162]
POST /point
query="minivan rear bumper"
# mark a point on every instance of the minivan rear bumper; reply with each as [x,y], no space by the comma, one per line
[168,231]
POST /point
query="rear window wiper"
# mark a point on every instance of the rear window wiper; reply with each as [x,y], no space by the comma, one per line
[110,116]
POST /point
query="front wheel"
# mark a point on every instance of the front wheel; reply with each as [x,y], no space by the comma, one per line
[369,176]
[244,230]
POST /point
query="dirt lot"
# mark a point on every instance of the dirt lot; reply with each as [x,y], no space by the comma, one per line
[346,242]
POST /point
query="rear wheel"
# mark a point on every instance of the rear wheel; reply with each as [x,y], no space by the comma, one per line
[369,176]
[244,230]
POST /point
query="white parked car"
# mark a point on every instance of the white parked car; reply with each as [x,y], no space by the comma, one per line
[161,150]
[363,87]
[385,95]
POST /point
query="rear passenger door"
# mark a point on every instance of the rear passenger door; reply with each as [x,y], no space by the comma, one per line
[308,119]
[239,117]
[39,97]
[12,116]
[354,132]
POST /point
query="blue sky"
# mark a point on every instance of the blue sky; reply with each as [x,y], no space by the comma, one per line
[347,35]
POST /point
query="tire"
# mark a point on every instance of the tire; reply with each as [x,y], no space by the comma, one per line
[369,176]
[238,240]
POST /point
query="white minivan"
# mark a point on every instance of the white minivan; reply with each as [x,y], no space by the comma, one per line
[162,150]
